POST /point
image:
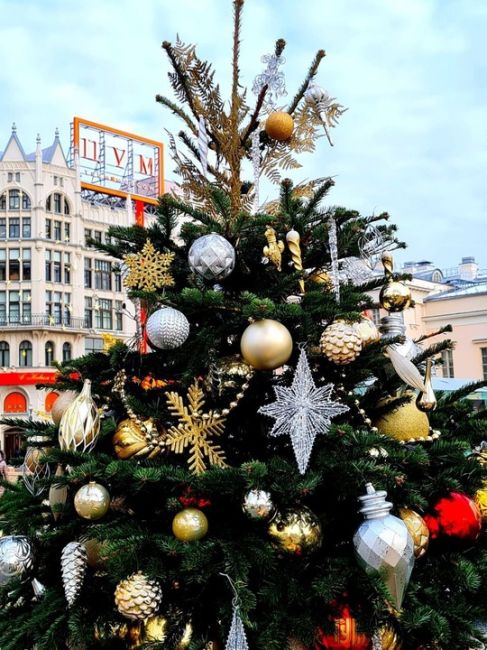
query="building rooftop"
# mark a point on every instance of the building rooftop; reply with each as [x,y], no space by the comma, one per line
[478,289]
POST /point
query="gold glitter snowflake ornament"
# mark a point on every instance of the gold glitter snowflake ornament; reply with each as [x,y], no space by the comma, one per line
[195,429]
[148,269]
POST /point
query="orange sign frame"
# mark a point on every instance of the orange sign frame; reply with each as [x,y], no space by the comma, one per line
[81,122]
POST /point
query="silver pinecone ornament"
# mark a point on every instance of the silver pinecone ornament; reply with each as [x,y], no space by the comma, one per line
[74,561]
[383,544]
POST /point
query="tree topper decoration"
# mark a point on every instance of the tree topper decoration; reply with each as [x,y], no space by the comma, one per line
[302,410]
[195,429]
[148,269]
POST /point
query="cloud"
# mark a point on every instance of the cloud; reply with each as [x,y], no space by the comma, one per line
[414,139]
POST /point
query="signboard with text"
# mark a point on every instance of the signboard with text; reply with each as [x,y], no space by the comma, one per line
[27,378]
[118,163]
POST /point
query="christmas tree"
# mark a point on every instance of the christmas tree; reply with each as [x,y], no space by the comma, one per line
[221,482]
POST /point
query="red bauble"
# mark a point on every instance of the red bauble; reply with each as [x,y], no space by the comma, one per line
[455,515]
[345,637]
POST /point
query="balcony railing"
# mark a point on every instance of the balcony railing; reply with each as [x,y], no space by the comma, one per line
[43,320]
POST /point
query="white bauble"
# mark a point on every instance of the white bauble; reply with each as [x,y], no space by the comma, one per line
[167,328]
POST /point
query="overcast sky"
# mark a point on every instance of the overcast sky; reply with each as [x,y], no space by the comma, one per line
[412,72]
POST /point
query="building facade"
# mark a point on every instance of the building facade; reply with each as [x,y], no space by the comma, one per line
[57,295]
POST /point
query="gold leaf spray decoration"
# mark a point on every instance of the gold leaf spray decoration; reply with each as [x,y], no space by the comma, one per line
[80,425]
[148,270]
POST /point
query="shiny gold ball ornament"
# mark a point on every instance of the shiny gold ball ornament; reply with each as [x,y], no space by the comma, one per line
[481,501]
[406,423]
[322,278]
[190,525]
[258,505]
[266,344]
[135,438]
[157,628]
[138,597]
[388,638]
[296,531]
[340,343]
[367,331]
[92,501]
[395,296]
[417,529]
[61,404]
[279,126]
[228,373]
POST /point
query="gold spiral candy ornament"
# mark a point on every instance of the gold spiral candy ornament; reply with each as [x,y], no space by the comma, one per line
[293,241]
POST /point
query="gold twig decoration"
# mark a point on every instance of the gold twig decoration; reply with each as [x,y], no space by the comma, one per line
[148,269]
[274,248]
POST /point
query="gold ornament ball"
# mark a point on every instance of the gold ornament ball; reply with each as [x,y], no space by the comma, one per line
[138,597]
[481,501]
[395,296]
[417,529]
[92,501]
[228,373]
[405,423]
[388,638]
[367,331]
[157,628]
[340,343]
[33,456]
[322,278]
[279,126]
[296,531]
[190,525]
[61,404]
[266,344]
[129,439]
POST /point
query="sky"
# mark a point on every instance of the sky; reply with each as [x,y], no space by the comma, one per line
[412,72]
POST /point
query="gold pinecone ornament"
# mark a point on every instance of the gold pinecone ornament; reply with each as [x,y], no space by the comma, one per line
[340,343]
[74,561]
[138,597]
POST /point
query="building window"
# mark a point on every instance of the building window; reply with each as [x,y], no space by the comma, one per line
[26,227]
[14,228]
[3,201]
[67,231]
[14,264]
[88,273]
[484,361]
[118,281]
[15,403]
[103,275]
[10,177]
[14,200]
[447,358]
[87,236]
[49,348]
[67,309]
[93,345]
[3,306]
[89,312]
[48,266]
[14,306]
[26,307]
[119,315]
[4,354]
[66,352]
[25,354]
[67,268]
[57,230]
[97,236]
[26,264]
[3,228]
[57,203]
[26,205]
[3,264]
[48,229]
[104,316]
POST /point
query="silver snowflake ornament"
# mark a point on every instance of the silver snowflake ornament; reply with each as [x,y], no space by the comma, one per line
[302,411]
[273,78]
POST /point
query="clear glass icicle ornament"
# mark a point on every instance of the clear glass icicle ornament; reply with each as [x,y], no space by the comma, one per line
[237,639]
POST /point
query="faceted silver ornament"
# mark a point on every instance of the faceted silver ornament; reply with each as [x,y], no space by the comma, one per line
[383,544]
[212,257]
[16,558]
[257,504]
[167,328]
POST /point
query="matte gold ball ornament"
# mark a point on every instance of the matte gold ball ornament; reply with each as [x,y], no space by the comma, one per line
[417,529]
[296,531]
[340,343]
[481,501]
[406,423]
[367,331]
[92,501]
[138,597]
[190,525]
[266,344]
[279,126]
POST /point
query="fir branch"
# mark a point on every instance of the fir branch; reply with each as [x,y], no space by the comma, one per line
[254,120]
[448,400]
[182,77]
[442,330]
[433,350]
[316,199]
[221,178]
[176,110]
[311,73]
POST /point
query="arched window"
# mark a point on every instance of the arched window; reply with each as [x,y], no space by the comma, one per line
[14,200]
[15,403]
[25,354]
[49,401]
[49,353]
[4,354]
[66,351]
[57,203]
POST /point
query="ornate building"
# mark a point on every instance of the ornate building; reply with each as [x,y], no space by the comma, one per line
[57,296]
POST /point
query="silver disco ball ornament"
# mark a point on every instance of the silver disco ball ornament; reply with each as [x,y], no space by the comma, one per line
[167,328]
[16,558]
[212,257]
[383,544]
[257,504]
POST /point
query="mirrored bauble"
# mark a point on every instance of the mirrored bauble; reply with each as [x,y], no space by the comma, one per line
[92,501]
[383,545]
[212,257]
[167,328]
[257,504]
[16,558]
[395,296]
[296,531]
